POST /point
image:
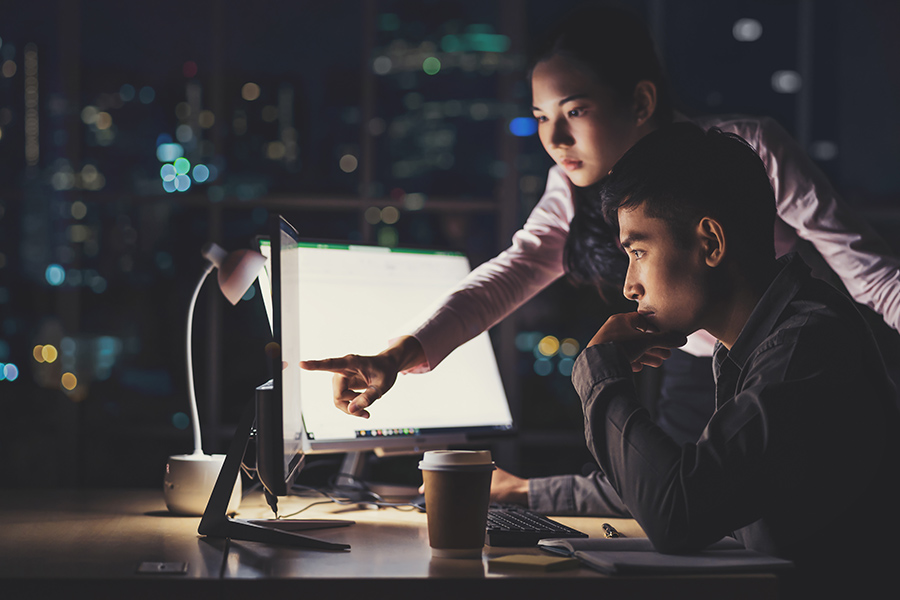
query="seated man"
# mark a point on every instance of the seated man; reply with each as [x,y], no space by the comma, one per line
[799,459]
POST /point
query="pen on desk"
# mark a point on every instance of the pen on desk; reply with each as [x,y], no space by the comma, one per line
[611,531]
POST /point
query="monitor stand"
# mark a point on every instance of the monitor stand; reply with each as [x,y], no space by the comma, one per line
[217,523]
[353,472]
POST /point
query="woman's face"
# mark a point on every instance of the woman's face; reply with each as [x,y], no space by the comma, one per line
[581,125]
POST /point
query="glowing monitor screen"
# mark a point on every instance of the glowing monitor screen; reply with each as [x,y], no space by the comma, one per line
[338,299]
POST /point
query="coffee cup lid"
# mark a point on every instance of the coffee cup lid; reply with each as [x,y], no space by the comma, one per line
[456,460]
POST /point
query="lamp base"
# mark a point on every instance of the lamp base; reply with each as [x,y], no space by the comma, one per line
[189,482]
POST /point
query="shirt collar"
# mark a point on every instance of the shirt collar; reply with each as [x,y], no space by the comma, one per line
[784,287]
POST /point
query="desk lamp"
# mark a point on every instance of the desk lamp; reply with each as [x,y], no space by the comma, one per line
[190,477]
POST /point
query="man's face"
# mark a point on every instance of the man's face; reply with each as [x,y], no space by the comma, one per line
[670,283]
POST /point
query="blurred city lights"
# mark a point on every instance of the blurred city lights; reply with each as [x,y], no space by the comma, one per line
[127,92]
[390,215]
[189,69]
[569,347]
[9,372]
[167,172]
[104,120]
[747,30]
[182,183]
[182,165]
[89,115]
[181,420]
[206,119]
[169,152]
[786,82]
[431,65]
[382,65]
[372,215]
[548,346]
[55,274]
[348,163]
[69,381]
[543,367]
[523,126]
[49,353]
[78,210]
[200,173]
[250,91]
[565,367]
[147,94]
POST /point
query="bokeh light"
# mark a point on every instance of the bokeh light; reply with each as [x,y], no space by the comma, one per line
[55,274]
[523,126]
[431,65]
[348,163]
[189,69]
[549,345]
[167,172]
[182,183]
[747,30]
[69,381]
[169,152]
[390,215]
[9,372]
[786,82]
[49,353]
[250,91]
[569,347]
[147,94]
[200,173]
[543,367]
[181,420]
[182,165]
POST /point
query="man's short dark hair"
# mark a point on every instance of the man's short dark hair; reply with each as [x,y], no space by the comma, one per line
[680,174]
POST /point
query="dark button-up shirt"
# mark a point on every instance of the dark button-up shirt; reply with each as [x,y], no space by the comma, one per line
[802,447]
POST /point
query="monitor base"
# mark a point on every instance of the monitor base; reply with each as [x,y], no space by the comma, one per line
[216,522]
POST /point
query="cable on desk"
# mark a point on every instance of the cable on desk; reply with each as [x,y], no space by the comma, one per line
[373,499]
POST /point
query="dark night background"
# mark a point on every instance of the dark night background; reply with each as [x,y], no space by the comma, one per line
[322,111]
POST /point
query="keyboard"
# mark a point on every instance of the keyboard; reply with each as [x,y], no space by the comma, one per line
[510,525]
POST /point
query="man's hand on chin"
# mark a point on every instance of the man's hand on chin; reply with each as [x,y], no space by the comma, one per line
[638,339]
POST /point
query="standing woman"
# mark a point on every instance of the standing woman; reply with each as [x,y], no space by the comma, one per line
[597,88]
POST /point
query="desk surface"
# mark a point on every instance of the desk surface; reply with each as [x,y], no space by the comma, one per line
[94,541]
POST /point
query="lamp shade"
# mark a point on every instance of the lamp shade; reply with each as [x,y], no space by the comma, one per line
[237,270]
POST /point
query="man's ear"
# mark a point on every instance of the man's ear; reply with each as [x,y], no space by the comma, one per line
[712,241]
[644,101]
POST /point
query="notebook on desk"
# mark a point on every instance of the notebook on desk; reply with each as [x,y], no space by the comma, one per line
[629,556]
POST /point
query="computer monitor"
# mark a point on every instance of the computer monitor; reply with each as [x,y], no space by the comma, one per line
[328,300]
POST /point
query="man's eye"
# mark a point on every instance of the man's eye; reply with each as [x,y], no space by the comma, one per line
[637,253]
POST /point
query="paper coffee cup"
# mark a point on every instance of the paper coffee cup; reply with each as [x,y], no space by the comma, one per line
[457,495]
[189,481]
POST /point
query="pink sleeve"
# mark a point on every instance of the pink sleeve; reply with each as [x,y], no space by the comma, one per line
[498,287]
[808,204]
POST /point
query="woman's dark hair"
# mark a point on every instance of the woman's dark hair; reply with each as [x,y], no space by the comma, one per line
[592,255]
[613,44]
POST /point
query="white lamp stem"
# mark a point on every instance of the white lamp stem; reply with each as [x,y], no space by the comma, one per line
[195,416]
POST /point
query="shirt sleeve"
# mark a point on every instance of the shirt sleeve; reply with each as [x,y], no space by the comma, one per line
[807,202]
[575,495]
[498,287]
[768,450]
